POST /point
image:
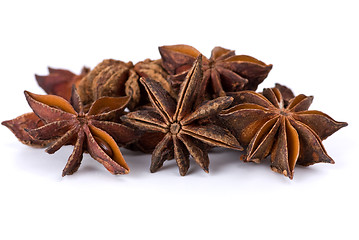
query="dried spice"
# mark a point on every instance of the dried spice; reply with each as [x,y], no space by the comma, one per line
[223,71]
[19,125]
[59,81]
[116,78]
[184,133]
[181,105]
[67,123]
[290,133]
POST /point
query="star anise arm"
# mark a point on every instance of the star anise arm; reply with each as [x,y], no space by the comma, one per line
[160,153]
[285,151]
[219,53]
[189,90]
[250,68]
[293,144]
[286,93]
[56,76]
[106,108]
[20,125]
[177,80]
[300,103]
[203,92]
[274,96]
[216,83]
[262,142]
[59,81]
[122,134]
[178,58]
[213,135]
[75,101]
[244,120]
[279,154]
[160,99]
[112,159]
[51,130]
[312,150]
[210,108]
[250,97]
[146,120]
[180,155]
[231,81]
[74,161]
[64,139]
[50,108]
[196,150]
[319,122]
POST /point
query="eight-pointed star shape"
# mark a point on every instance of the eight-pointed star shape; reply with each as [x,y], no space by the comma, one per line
[290,133]
[183,123]
[66,123]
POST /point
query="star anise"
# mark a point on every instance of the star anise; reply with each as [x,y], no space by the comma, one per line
[60,81]
[26,121]
[223,71]
[183,124]
[290,133]
[67,123]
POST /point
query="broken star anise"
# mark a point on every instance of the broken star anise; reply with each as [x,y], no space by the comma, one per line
[185,131]
[223,71]
[290,133]
[60,81]
[67,123]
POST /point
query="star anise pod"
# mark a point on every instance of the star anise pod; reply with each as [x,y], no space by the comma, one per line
[290,133]
[116,78]
[26,121]
[223,71]
[185,131]
[60,81]
[67,123]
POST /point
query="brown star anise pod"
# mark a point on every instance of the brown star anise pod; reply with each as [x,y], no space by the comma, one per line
[116,78]
[67,123]
[60,81]
[223,71]
[184,126]
[26,121]
[290,133]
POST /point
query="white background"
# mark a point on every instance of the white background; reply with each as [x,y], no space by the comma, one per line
[313,46]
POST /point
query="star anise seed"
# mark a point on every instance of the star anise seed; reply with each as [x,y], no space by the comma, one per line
[179,122]
[290,134]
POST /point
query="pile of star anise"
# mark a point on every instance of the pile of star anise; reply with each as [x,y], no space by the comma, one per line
[181,105]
